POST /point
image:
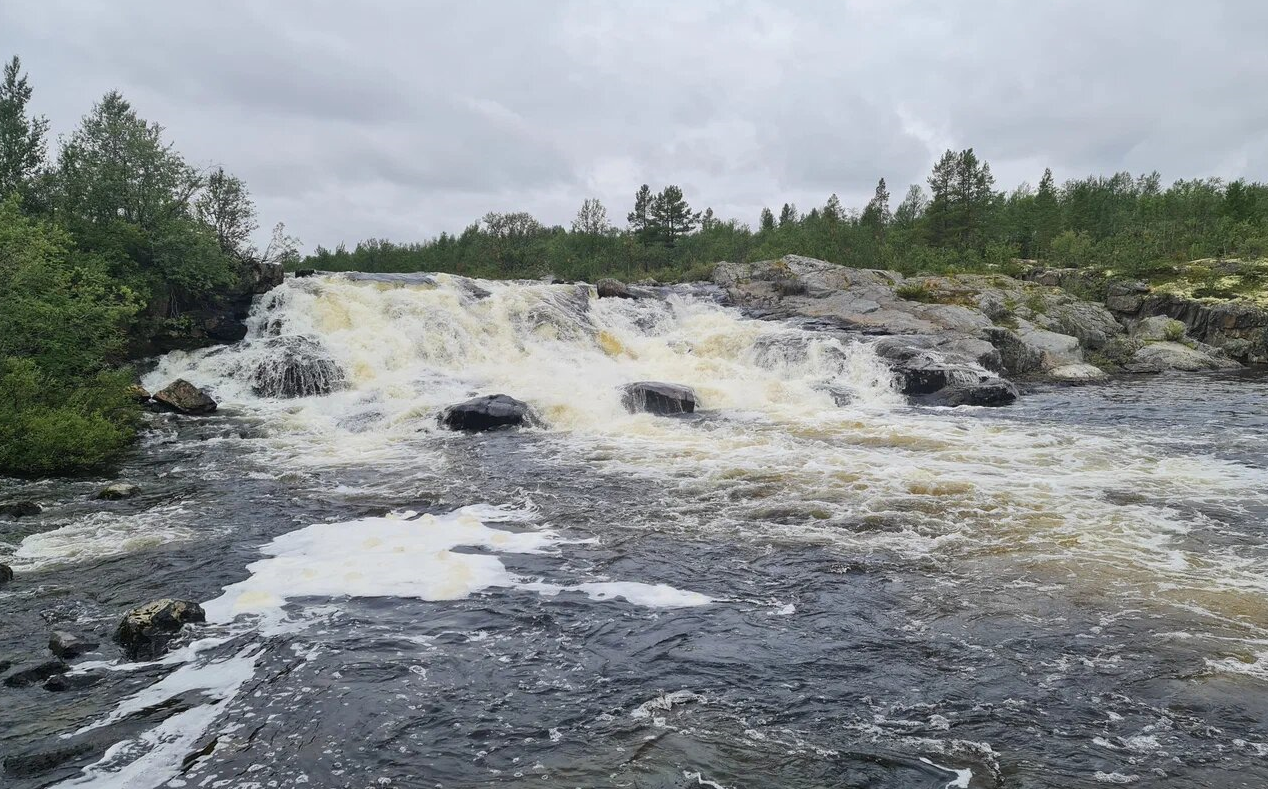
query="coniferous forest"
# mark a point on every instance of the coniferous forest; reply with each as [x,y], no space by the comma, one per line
[957,221]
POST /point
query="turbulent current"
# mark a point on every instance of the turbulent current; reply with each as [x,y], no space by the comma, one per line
[806,583]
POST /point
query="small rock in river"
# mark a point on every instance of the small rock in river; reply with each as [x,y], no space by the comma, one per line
[66,645]
[144,632]
[119,490]
[26,674]
[20,509]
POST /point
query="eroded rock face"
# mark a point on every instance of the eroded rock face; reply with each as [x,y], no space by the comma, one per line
[145,632]
[656,397]
[295,366]
[489,412]
[184,398]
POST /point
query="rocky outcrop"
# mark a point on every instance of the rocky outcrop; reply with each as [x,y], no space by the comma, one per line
[939,331]
[118,491]
[1238,326]
[20,509]
[145,632]
[295,366]
[184,398]
[67,645]
[656,397]
[489,412]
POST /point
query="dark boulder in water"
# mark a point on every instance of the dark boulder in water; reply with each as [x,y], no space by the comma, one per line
[6,574]
[20,509]
[487,413]
[145,632]
[656,397]
[26,674]
[184,398]
[988,392]
[614,289]
[296,366]
[304,272]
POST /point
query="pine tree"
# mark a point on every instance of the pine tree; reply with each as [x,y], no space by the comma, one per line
[832,210]
[911,209]
[876,215]
[1047,213]
[639,218]
[767,221]
[788,215]
[22,138]
[670,216]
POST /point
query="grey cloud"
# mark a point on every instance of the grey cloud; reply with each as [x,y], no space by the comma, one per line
[401,120]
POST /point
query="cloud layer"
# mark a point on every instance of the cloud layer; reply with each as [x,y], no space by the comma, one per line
[401,120]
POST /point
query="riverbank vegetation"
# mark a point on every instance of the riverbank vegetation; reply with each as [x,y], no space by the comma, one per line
[105,243]
[956,222]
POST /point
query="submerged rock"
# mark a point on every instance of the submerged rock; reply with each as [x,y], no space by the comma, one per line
[296,366]
[184,398]
[6,574]
[67,645]
[117,491]
[27,674]
[991,392]
[62,682]
[20,509]
[656,397]
[488,412]
[145,632]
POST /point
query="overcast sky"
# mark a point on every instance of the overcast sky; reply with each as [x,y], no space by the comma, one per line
[400,120]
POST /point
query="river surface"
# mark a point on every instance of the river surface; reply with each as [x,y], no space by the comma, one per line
[807,583]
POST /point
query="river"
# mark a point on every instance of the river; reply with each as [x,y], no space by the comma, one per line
[806,583]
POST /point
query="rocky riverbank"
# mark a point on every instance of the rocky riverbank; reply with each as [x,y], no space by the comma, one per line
[961,339]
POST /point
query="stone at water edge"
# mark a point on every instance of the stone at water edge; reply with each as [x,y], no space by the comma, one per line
[1079,372]
[657,397]
[139,393]
[992,393]
[26,674]
[184,398]
[489,412]
[1160,357]
[67,645]
[20,509]
[118,491]
[145,632]
[6,574]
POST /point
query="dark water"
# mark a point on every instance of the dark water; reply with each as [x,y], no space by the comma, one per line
[851,662]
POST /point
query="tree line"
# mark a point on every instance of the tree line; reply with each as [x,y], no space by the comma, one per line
[109,240]
[956,221]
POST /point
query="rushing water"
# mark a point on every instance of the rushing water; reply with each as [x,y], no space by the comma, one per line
[807,583]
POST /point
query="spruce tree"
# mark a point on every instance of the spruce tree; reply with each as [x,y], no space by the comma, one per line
[22,137]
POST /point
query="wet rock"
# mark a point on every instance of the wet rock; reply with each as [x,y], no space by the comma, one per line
[27,674]
[304,272]
[67,645]
[6,574]
[225,328]
[118,491]
[20,509]
[263,277]
[296,366]
[183,397]
[1158,357]
[139,393]
[656,397]
[614,289]
[145,632]
[489,412]
[992,392]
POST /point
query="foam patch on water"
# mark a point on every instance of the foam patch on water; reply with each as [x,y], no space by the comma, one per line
[410,557]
